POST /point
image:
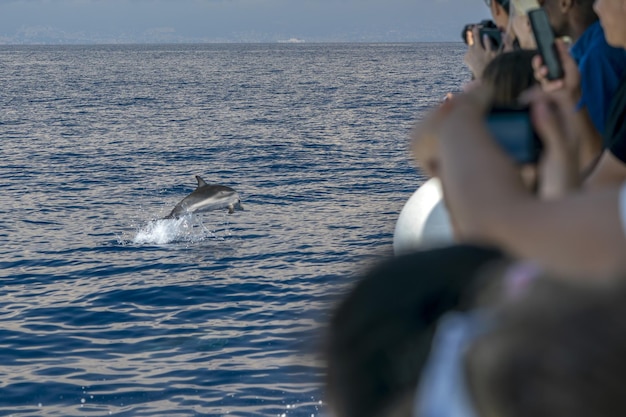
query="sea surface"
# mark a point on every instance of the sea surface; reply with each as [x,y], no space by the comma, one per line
[107,310]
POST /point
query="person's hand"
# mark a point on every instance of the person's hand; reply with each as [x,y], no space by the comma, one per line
[569,85]
[508,41]
[552,118]
[425,134]
[424,146]
[479,54]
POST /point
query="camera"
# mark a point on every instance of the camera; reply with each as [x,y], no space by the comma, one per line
[487,27]
[513,131]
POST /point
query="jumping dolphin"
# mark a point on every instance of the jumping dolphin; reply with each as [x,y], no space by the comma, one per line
[207,197]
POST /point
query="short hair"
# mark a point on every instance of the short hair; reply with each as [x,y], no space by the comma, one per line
[504,4]
[379,336]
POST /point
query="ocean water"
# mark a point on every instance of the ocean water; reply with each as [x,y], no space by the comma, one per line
[106,310]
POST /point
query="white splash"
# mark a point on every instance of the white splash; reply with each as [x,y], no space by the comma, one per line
[162,231]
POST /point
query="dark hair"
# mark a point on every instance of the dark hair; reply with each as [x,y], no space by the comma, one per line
[379,336]
[509,74]
[505,4]
[561,351]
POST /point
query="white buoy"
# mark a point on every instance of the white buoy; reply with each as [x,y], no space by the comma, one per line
[423,221]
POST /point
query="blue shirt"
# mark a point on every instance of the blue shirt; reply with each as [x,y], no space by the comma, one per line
[601,69]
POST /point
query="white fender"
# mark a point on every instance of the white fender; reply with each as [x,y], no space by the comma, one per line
[423,221]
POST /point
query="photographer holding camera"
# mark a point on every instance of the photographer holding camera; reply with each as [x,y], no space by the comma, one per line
[484,40]
[508,31]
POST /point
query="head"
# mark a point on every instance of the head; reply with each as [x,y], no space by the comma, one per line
[558,351]
[612,15]
[379,336]
[519,24]
[499,12]
[509,74]
[569,17]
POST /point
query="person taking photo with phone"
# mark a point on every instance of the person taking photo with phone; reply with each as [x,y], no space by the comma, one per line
[582,233]
[590,86]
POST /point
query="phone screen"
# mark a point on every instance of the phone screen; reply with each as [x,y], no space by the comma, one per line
[513,131]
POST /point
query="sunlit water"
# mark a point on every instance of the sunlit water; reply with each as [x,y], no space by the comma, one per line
[107,310]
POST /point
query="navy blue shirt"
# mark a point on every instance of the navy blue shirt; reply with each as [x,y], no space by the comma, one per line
[601,69]
[615,133]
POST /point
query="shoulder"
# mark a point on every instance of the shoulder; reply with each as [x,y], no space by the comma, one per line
[595,51]
[601,65]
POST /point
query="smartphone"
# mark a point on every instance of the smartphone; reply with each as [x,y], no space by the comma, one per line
[545,42]
[513,130]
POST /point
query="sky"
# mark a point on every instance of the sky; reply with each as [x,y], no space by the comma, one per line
[162,21]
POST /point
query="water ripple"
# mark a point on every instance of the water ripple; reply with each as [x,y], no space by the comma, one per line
[107,310]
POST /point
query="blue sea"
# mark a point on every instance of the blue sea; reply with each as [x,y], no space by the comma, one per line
[107,310]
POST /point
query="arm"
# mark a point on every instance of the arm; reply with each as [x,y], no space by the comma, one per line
[424,144]
[590,140]
[601,69]
[610,171]
[569,89]
[479,54]
[579,234]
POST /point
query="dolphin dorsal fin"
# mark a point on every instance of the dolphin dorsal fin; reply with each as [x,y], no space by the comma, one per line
[201,182]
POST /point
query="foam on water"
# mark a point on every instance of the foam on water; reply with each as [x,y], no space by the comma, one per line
[162,231]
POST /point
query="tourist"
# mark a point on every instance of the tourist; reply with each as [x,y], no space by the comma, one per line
[579,234]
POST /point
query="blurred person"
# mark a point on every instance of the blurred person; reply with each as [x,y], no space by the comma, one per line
[453,332]
[519,24]
[611,169]
[557,351]
[509,75]
[380,334]
[578,234]
[600,69]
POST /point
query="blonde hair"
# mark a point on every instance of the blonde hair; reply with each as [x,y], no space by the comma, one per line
[521,7]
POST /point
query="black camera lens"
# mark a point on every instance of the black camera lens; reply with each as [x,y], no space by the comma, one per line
[487,27]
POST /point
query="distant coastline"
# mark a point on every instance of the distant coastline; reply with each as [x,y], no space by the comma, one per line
[292,40]
[282,42]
